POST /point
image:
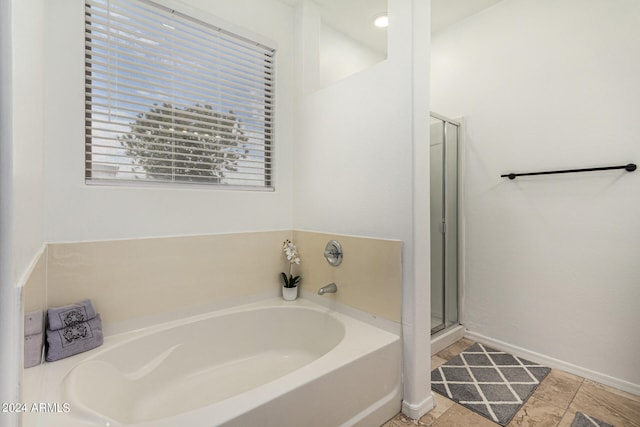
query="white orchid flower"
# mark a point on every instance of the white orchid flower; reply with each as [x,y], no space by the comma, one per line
[291,252]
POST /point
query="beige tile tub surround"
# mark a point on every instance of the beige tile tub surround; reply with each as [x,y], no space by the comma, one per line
[34,293]
[369,278]
[127,279]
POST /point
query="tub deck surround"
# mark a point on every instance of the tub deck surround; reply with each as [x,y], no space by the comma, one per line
[270,363]
[202,279]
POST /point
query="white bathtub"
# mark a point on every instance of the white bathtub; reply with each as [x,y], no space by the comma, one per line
[271,363]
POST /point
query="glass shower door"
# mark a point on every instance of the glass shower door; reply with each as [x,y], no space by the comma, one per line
[444,223]
[437,237]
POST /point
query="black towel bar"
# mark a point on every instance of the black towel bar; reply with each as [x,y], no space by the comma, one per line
[629,168]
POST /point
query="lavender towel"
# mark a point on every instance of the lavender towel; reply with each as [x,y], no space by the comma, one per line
[32,350]
[74,339]
[33,323]
[68,315]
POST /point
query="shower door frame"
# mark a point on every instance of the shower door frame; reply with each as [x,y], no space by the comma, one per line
[443,329]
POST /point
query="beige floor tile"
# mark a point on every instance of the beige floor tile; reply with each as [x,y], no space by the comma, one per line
[428,419]
[442,405]
[567,419]
[607,404]
[392,421]
[459,416]
[401,420]
[537,413]
[615,391]
[436,362]
[455,349]
[558,388]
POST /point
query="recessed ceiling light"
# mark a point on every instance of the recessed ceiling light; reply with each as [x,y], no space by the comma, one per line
[381,21]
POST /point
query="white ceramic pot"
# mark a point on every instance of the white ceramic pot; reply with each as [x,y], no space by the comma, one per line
[289,294]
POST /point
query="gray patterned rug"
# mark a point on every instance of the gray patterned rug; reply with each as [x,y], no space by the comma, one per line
[584,420]
[492,383]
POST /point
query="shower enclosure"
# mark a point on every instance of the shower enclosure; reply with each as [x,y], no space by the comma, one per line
[444,222]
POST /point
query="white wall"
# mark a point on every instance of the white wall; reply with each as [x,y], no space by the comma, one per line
[77,212]
[8,332]
[341,56]
[22,176]
[353,155]
[28,132]
[354,164]
[552,262]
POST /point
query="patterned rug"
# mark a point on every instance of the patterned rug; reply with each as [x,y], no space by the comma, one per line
[584,420]
[492,383]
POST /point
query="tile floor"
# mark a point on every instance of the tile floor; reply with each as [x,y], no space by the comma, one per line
[553,404]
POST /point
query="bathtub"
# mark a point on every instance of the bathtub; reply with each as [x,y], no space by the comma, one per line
[271,363]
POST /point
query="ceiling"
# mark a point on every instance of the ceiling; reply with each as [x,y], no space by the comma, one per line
[355,17]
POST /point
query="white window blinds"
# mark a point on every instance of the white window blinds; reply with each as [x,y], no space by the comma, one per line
[172,99]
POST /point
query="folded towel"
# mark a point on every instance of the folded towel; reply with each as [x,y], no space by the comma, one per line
[68,315]
[32,350]
[74,339]
[33,323]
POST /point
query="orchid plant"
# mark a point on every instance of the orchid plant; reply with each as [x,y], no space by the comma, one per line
[291,252]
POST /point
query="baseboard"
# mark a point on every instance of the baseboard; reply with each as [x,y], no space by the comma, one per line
[555,363]
[444,339]
[415,411]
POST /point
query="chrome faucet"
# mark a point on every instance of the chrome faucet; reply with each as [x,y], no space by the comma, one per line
[331,288]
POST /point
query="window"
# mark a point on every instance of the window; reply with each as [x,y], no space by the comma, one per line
[170,98]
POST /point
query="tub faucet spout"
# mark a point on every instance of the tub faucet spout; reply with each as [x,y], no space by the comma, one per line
[331,288]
